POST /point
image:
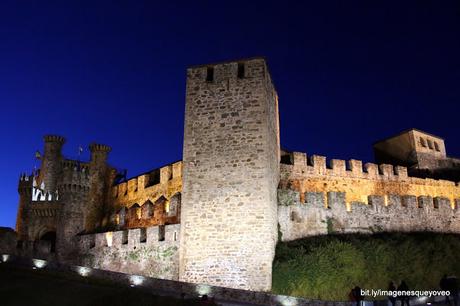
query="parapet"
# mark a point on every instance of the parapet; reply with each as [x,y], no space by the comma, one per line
[54,138]
[150,236]
[156,177]
[299,165]
[94,147]
[228,71]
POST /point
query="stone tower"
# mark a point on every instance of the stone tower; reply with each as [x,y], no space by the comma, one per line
[22,218]
[51,166]
[99,173]
[230,178]
[82,190]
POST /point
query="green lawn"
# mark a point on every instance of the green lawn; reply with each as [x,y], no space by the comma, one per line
[20,286]
[328,267]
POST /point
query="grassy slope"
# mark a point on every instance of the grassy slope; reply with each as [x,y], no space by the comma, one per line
[328,267]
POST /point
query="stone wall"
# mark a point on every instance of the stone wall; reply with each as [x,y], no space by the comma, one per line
[152,251]
[8,240]
[231,154]
[149,199]
[315,199]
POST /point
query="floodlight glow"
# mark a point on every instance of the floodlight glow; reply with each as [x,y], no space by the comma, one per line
[83,271]
[287,300]
[203,289]
[5,257]
[109,237]
[136,280]
[39,263]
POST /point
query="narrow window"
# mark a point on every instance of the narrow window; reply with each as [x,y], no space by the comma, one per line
[124,239]
[430,144]
[240,70]
[161,233]
[143,237]
[175,236]
[436,146]
[209,74]
[92,242]
[422,142]
[420,202]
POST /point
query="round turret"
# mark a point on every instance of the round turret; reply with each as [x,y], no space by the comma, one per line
[50,169]
[95,147]
[54,138]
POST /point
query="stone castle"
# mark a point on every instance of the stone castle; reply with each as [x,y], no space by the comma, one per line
[216,216]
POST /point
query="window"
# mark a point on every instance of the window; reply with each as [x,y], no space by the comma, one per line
[161,233]
[143,235]
[209,74]
[436,146]
[147,210]
[240,70]
[422,142]
[124,239]
[436,203]
[430,144]
[420,202]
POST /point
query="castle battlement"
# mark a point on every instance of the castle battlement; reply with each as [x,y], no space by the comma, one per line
[212,218]
[151,251]
[130,238]
[75,176]
[150,181]
[317,165]
[324,213]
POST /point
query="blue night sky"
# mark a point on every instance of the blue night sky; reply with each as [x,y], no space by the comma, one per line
[347,73]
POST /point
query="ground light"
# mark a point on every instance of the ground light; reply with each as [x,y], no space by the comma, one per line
[39,263]
[203,289]
[136,280]
[287,300]
[5,257]
[83,271]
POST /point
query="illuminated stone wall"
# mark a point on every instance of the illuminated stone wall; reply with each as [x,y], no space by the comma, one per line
[315,199]
[151,251]
[160,189]
[231,160]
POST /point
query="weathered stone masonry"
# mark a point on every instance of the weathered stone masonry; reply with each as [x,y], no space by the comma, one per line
[231,160]
[316,200]
[150,251]
[213,218]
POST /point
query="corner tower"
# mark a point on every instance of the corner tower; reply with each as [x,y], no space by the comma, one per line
[51,168]
[230,176]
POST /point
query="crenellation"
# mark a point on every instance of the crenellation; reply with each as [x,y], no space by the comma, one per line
[213,218]
[371,170]
[165,174]
[299,159]
[315,198]
[335,199]
[356,167]
[132,186]
[386,170]
[338,167]
[408,201]
[319,164]
[405,213]
[401,172]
